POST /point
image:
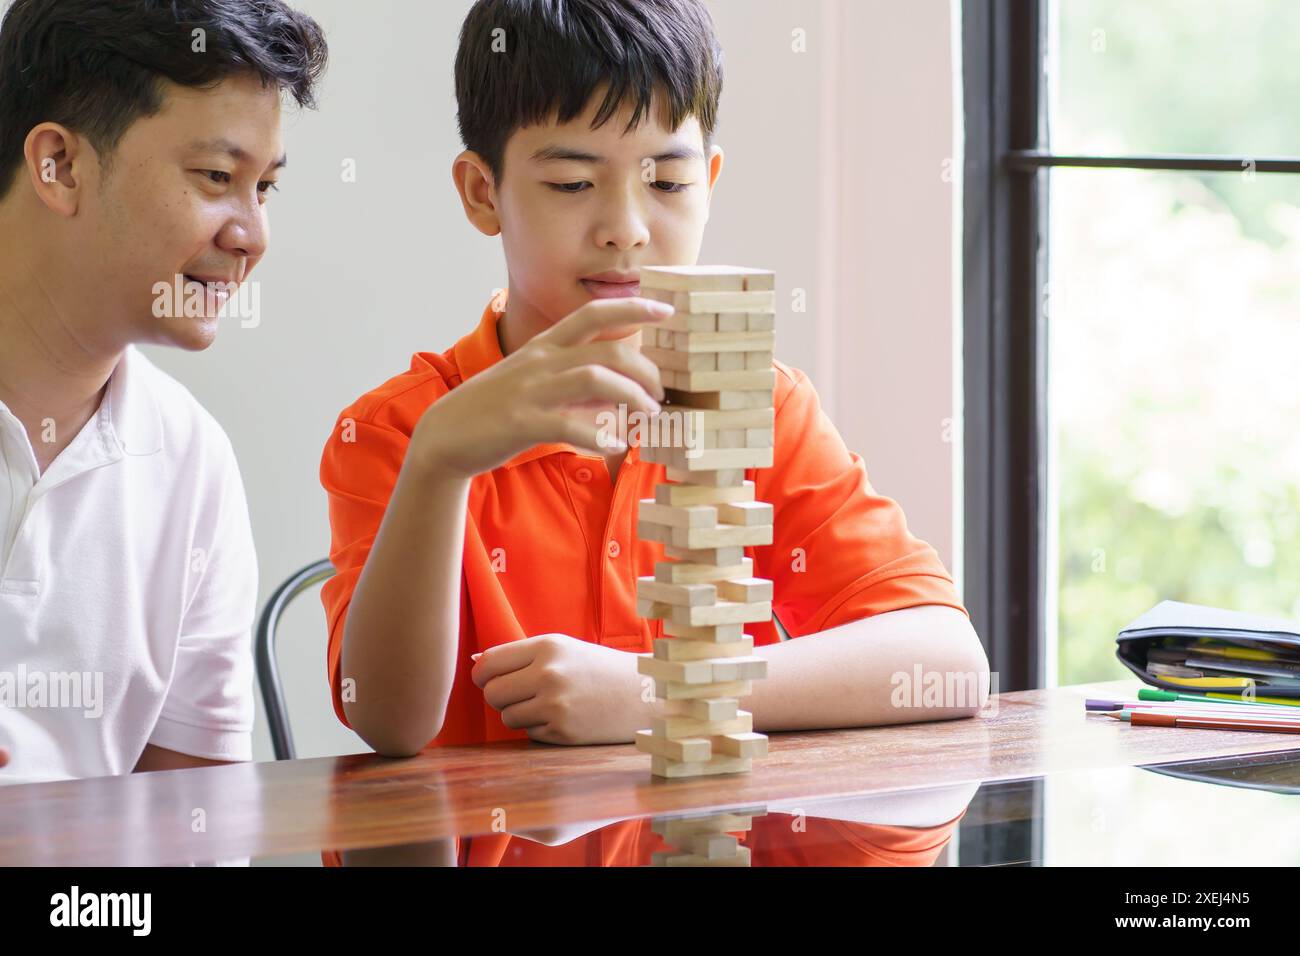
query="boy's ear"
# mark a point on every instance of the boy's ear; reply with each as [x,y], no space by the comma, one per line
[716,157]
[473,181]
[56,161]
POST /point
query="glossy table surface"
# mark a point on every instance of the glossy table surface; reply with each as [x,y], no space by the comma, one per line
[1032,780]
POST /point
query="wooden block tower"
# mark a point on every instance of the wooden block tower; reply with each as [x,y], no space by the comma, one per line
[715,359]
[704,839]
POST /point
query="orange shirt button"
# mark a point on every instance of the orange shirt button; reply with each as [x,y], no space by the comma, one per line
[583,475]
[613,549]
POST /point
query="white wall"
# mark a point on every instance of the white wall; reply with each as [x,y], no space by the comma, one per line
[832,179]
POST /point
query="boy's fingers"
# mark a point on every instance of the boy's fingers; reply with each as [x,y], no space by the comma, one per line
[604,315]
[586,436]
[4,756]
[630,362]
[502,659]
[524,715]
[509,689]
[589,382]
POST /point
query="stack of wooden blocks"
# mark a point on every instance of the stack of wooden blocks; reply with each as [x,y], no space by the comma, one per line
[704,840]
[715,360]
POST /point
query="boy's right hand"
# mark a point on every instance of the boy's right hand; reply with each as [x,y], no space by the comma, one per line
[549,390]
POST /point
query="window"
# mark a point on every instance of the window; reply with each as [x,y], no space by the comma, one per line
[1132,297]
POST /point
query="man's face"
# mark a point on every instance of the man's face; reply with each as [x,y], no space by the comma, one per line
[579,205]
[185,194]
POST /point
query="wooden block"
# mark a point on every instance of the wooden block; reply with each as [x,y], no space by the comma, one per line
[679,516]
[737,668]
[688,361]
[758,359]
[684,649]
[744,513]
[721,557]
[744,590]
[707,671]
[686,496]
[728,400]
[719,633]
[760,437]
[686,749]
[709,419]
[745,341]
[683,572]
[681,672]
[664,767]
[655,453]
[698,539]
[723,438]
[686,726]
[722,362]
[761,321]
[713,846]
[650,531]
[725,381]
[686,322]
[719,536]
[723,478]
[724,612]
[666,858]
[685,595]
[675,831]
[712,709]
[716,302]
[740,744]
[704,278]
[692,460]
[733,322]
[671,690]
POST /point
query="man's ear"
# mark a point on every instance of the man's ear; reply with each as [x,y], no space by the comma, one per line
[56,160]
[473,181]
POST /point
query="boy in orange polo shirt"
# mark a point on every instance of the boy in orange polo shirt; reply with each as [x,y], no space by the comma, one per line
[485,539]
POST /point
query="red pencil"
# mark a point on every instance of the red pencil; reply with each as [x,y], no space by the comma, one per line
[1215,722]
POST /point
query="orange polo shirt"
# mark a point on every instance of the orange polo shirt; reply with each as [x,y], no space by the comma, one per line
[772,841]
[550,541]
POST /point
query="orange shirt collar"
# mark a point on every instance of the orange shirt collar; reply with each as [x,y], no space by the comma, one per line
[481,349]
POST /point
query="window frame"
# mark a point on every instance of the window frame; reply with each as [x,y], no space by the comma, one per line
[1005,204]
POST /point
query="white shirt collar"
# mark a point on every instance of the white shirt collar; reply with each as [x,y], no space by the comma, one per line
[129,411]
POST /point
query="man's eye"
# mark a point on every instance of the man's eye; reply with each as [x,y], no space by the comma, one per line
[266,185]
[672,187]
[218,176]
[565,187]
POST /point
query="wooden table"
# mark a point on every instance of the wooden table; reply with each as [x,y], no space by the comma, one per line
[272,809]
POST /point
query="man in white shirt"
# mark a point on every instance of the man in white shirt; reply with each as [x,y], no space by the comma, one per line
[138,145]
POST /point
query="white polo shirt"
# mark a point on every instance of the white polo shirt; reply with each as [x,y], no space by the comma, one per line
[128,583]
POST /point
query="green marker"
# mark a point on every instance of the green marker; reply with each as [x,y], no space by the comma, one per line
[1151,693]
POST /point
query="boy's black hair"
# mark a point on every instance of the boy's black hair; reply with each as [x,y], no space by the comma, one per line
[522,60]
[94,65]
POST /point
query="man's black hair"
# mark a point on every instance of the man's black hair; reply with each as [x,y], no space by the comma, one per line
[94,66]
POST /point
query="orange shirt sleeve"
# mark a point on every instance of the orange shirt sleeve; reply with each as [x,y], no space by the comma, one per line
[359,470]
[840,551]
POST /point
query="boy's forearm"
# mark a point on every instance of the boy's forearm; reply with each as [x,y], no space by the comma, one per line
[864,673]
[402,631]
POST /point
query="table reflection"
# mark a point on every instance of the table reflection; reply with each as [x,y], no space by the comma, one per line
[896,829]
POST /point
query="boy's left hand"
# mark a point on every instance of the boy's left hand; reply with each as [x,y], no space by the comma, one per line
[564,690]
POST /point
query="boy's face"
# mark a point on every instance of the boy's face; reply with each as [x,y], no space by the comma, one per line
[184,194]
[580,208]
